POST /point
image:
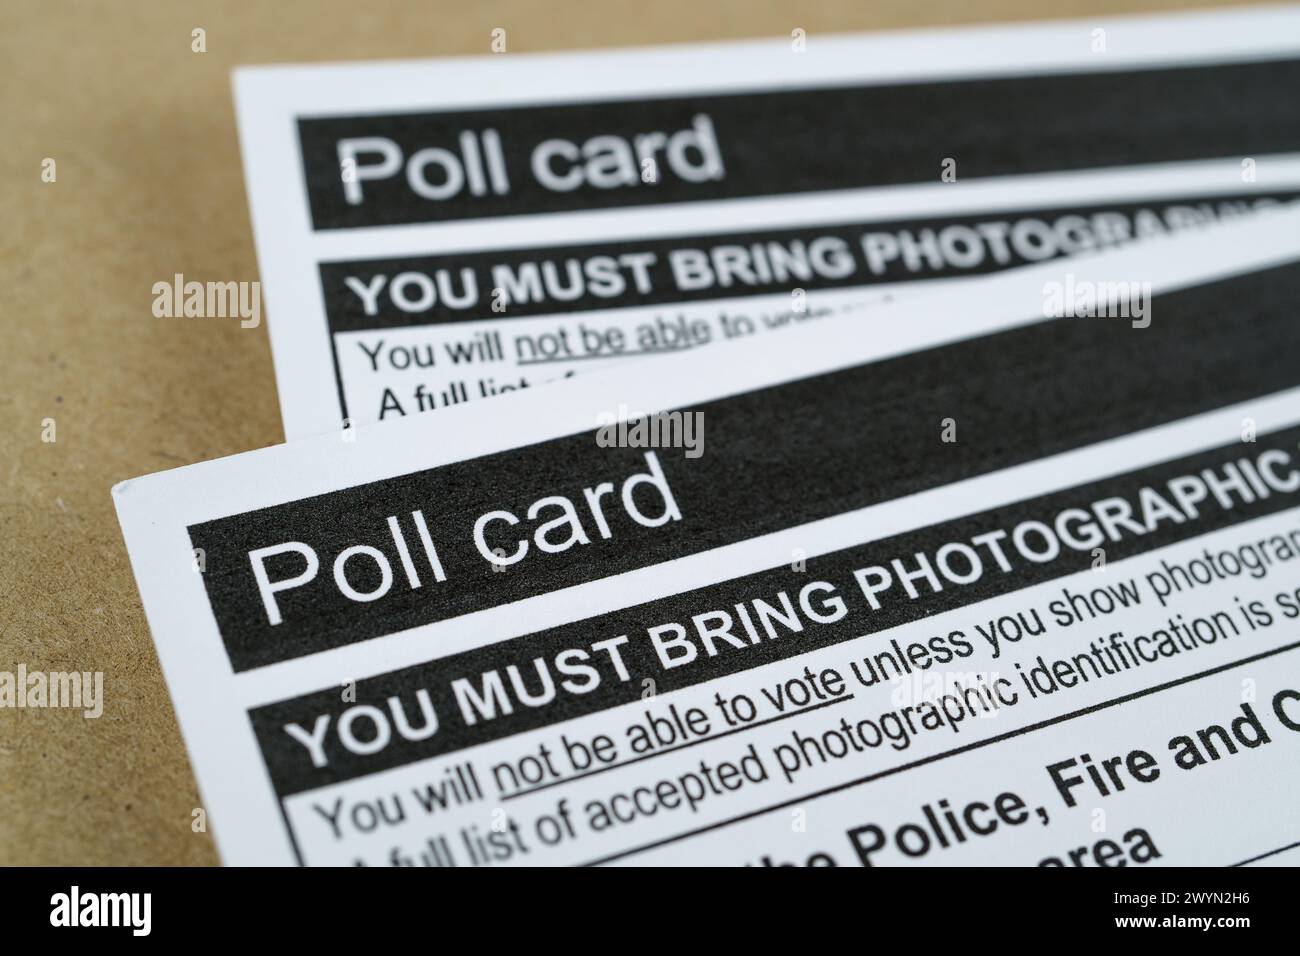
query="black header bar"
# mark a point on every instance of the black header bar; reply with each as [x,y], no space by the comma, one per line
[545,280]
[377,170]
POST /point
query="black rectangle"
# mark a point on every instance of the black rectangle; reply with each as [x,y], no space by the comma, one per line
[774,458]
[809,140]
[943,247]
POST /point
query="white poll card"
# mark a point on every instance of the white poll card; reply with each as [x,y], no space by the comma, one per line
[431,233]
[956,583]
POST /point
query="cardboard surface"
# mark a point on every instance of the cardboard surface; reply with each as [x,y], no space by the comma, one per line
[148,185]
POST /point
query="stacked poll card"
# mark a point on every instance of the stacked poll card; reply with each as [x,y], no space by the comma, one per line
[859,450]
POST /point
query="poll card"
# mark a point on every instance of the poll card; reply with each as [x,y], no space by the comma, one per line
[433,233]
[1006,573]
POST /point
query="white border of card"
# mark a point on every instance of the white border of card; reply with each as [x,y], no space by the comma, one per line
[271,98]
[211,700]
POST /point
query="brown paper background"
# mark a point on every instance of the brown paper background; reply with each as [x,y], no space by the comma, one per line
[149,184]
